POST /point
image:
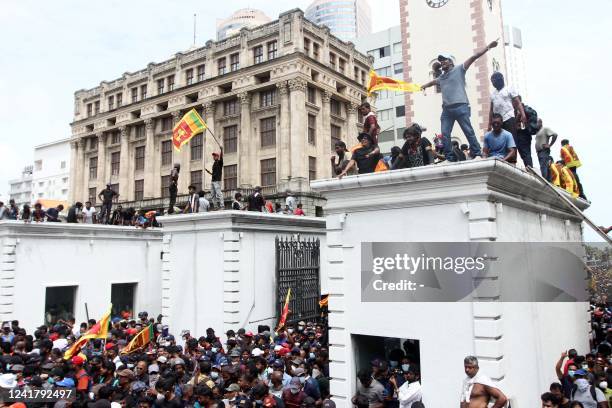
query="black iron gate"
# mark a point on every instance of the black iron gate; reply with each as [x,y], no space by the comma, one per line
[297,267]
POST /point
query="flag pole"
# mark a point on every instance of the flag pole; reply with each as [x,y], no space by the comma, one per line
[213,135]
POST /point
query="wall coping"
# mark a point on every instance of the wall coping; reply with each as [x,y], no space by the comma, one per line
[232,220]
[53,230]
[488,179]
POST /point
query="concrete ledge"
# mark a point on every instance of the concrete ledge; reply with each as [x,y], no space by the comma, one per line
[53,230]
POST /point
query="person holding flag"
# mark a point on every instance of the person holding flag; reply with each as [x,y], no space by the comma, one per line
[140,340]
[283,319]
[97,331]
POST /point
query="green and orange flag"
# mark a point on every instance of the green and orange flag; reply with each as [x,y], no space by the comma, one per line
[190,125]
[97,331]
[378,83]
[143,338]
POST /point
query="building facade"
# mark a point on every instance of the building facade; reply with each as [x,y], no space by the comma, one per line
[245,17]
[51,172]
[277,97]
[21,188]
[460,28]
[347,19]
[515,59]
[386,49]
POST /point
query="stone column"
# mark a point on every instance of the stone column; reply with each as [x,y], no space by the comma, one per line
[324,138]
[151,164]
[75,163]
[210,145]
[102,179]
[299,128]
[83,177]
[245,145]
[125,187]
[351,120]
[283,158]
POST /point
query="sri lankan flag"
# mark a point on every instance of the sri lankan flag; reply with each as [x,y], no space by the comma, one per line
[378,83]
[324,302]
[283,318]
[191,125]
[97,331]
[140,340]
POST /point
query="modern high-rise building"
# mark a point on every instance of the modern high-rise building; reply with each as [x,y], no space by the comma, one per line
[246,17]
[347,19]
[459,28]
[277,97]
[385,47]
[515,60]
[21,188]
[51,175]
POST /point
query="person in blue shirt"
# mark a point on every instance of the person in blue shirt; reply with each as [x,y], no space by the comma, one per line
[499,142]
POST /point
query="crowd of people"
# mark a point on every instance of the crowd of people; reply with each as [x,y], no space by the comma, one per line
[288,368]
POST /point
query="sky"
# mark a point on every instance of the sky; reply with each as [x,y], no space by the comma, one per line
[49,49]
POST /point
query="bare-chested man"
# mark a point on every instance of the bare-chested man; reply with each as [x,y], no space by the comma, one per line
[478,389]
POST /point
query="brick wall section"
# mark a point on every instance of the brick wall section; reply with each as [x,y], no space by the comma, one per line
[406,59]
[482,104]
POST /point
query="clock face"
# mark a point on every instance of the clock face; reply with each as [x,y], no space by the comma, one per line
[436,3]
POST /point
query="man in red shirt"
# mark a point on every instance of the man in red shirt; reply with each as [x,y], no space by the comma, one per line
[81,376]
[293,396]
[370,123]
[299,210]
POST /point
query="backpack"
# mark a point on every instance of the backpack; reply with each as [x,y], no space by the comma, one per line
[532,119]
[591,389]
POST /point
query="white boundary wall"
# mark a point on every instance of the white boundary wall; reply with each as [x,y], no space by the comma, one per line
[517,344]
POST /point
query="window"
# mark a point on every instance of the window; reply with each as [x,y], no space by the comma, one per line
[272,50]
[92,195]
[122,298]
[268,172]
[315,51]
[230,107]
[312,95]
[384,114]
[332,60]
[383,94]
[111,102]
[93,143]
[397,48]
[59,303]
[93,168]
[234,62]
[139,158]
[201,72]
[139,131]
[196,144]
[334,107]
[196,179]
[341,65]
[267,98]
[160,86]
[398,68]
[134,92]
[138,189]
[119,98]
[312,129]
[166,153]
[170,83]
[115,137]
[166,123]
[221,66]
[143,92]
[97,107]
[335,136]
[287,32]
[165,186]
[230,139]
[356,74]
[268,131]
[62,165]
[400,111]
[312,168]
[384,71]
[189,76]
[384,52]
[230,177]
[306,46]
[115,187]
[258,54]
[89,109]
[115,156]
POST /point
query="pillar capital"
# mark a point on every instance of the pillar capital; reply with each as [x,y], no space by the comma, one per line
[149,123]
[297,84]
[124,131]
[282,87]
[209,108]
[326,96]
[245,98]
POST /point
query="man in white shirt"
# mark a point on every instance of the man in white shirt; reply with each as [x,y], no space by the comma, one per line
[410,391]
[204,205]
[505,101]
[89,213]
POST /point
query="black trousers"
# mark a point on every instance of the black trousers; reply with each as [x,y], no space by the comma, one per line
[523,145]
[173,192]
[580,190]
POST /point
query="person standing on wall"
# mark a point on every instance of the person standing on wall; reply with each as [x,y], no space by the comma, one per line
[217,174]
[572,162]
[455,103]
[544,139]
[174,175]
[107,196]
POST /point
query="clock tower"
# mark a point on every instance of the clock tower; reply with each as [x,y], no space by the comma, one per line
[459,28]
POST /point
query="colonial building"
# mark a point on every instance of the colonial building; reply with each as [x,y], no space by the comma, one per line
[276,96]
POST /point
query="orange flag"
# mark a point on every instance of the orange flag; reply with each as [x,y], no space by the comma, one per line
[378,83]
[283,318]
[97,331]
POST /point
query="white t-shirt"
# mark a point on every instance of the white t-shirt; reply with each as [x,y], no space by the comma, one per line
[409,393]
[60,344]
[88,215]
[502,102]
[204,204]
[290,202]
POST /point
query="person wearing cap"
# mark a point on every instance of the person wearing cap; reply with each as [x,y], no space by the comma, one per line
[256,201]
[455,103]
[193,201]
[82,378]
[365,156]
[293,396]
[107,196]
[216,176]
[370,123]
[229,395]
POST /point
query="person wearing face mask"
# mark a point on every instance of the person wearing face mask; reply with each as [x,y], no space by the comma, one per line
[293,396]
[231,392]
[566,380]
[603,386]
[587,394]
[263,398]
[311,385]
